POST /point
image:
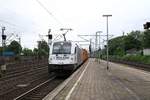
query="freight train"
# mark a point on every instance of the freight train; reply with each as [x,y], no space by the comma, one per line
[65,57]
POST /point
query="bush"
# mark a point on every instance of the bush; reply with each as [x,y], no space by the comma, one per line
[133,58]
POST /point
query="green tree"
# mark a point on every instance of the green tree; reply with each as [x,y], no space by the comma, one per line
[137,35]
[146,39]
[27,52]
[43,48]
[116,46]
[131,42]
[35,52]
[14,47]
[119,45]
[119,51]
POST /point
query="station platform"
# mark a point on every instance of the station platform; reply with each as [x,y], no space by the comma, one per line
[94,82]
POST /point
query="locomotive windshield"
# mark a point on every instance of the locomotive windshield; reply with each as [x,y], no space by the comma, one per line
[61,48]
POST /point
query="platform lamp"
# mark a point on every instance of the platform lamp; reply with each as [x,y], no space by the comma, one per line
[107,40]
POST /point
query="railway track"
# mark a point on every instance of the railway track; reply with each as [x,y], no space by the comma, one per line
[41,90]
[9,83]
[20,76]
[28,85]
[32,84]
[24,66]
[22,88]
[22,73]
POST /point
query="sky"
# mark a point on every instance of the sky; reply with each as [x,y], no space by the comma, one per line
[29,20]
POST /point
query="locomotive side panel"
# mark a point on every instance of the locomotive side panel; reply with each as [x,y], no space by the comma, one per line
[79,59]
[84,55]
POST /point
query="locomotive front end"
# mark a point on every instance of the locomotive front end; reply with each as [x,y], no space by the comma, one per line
[61,57]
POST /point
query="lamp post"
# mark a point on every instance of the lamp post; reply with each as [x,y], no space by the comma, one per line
[107,40]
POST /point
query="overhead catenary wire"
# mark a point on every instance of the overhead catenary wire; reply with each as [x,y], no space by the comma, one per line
[50,13]
[14,26]
[8,23]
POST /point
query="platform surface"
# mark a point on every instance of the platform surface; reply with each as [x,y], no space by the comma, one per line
[95,82]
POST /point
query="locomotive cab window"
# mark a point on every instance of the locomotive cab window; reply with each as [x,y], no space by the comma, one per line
[61,48]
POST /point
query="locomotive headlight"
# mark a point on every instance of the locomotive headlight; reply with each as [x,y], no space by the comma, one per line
[71,58]
[50,59]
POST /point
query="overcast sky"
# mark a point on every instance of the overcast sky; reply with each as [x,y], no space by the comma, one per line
[28,19]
